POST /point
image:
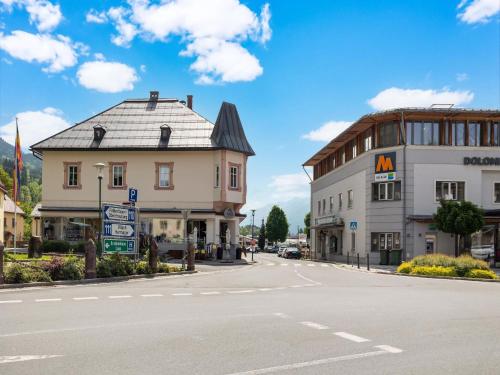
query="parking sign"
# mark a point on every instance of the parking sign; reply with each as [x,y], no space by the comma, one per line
[132,195]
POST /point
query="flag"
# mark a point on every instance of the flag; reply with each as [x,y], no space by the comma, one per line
[18,167]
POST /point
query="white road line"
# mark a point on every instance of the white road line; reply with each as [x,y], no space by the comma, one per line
[209,293]
[306,278]
[390,349]
[241,291]
[314,325]
[119,297]
[12,301]
[298,265]
[309,284]
[22,358]
[151,295]
[311,265]
[324,265]
[348,336]
[317,362]
[280,288]
[282,315]
[182,294]
[84,298]
[284,264]
[270,264]
[265,289]
[297,286]
[48,300]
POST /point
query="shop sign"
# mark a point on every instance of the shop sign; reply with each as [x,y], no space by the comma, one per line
[481,161]
[385,163]
[381,177]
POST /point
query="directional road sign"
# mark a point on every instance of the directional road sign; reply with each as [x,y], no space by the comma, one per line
[115,245]
[132,195]
[118,213]
[119,229]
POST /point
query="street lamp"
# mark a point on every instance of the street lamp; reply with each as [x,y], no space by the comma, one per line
[253,218]
[100,169]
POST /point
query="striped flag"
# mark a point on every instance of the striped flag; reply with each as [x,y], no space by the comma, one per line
[18,167]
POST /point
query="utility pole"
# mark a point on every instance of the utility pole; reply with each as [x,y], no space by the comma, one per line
[253,246]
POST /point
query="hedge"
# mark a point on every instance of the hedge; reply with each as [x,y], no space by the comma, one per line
[434,271]
[481,274]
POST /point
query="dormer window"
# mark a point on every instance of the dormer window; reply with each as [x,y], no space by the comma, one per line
[165,132]
[99,132]
[153,96]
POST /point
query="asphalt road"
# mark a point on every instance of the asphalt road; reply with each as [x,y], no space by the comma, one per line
[275,317]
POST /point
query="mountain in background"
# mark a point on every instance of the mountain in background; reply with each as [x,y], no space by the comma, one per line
[295,210]
[31,163]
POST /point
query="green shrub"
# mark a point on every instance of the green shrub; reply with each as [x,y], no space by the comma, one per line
[465,263]
[433,271]
[143,268]
[16,274]
[404,267]
[38,275]
[433,260]
[481,274]
[114,265]
[103,268]
[55,246]
[54,267]
[73,269]
[79,247]
[164,268]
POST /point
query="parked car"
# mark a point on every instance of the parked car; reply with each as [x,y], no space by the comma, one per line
[274,249]
[482,252]
[268,249]
[281,250]
[292,253]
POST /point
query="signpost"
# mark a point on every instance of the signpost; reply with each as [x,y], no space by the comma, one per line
[119,228]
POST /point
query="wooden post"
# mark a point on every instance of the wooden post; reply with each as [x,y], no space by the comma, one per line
[90,259]
[153,256]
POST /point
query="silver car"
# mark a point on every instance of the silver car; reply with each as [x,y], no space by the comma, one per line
[482,252]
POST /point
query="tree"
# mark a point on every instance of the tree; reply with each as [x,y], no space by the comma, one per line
[6,179]
[277,225]
[307,223]
[262,236]
[459,218]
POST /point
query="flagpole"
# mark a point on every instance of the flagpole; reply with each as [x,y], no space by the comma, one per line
[15,194]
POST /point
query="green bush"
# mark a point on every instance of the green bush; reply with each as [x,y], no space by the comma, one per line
[164,268]
[143,268]
[114,265]
[433,271]
[54,267]
[433,260]
[404,267]
[462,265]
[38,275]
[17,273]
[55,246]
[481,274]
[73,269]
[465,264]
[79,247]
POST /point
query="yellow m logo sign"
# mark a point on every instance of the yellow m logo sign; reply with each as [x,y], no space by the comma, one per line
[384,164]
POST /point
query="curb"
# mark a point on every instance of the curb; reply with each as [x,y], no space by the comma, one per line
[99,280]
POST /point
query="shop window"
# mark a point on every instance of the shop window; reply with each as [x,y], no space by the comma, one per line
[496,197]
[350,198]
[450,190]
[386,191]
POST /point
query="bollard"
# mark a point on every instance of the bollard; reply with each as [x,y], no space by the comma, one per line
[358,260]
[90,259]
[347,258]
[1,262]
[368,261]
[153,256]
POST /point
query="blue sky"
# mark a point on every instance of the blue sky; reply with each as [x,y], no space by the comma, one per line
[299,73]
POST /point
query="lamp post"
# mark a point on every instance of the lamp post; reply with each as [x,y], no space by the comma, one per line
[253,218]
[100,169]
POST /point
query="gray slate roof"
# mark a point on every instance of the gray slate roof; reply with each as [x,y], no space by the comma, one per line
[135,125]
[228,132]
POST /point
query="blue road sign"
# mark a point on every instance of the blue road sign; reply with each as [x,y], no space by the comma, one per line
[132,195]
[120,230]
[118,213]
[353,225]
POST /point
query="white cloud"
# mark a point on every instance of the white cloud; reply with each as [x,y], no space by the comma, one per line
[143,68]
[328,131]
[34,126]
[397,98]
[213,32]
[58,52]
[109,77]
[289,186]
[462,77]
[99,56]
[44,14]
[93,16]
[478,11]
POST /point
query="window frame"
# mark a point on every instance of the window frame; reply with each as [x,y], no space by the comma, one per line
[217,176]
[449,182]
[170,166]
[495,183]
[111,182]
[237,167]
[340,199]
[350,199]
[66,166]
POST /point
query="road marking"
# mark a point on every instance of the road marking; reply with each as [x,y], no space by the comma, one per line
[151,295]
[311,265]
[48,300]
[324,265]
[284,264]
[21,358]
[309,284]
[182,294]
[280,288]
[297,265]
[84,298]
[317,362]
[297,286]
[209,293]
[270,264]
[241,291]
[282,315]
[12,301]
[306,278]
[348,336]
[265,289]
[390,349]
[119,297]
[314,325]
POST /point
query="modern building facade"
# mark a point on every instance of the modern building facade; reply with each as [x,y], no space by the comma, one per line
[377,185]
[177,159]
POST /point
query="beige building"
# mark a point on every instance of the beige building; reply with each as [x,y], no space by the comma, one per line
[3,194]
[176,159]
[9,222]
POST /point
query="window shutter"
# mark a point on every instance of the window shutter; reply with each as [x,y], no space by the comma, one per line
[397,190]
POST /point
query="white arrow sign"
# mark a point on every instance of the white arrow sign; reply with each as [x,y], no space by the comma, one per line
[120,230]
[118,213]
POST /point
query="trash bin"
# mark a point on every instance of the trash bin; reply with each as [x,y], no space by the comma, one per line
[395,257]
[384,257]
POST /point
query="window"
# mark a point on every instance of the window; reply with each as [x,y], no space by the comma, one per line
[340,201]
[319,208]
[474,130]
[458,134]
[217,176]
[354,149]
[367,140]
[324,206]
[385,241]
[331,204]
[496,134]
[422,133]
[117,175]
[450,190]
[72,172]
[234,176]
[14,224]
[496,197]
[164,176]
[72,175]
[350,198]
[386,191]
[388,134]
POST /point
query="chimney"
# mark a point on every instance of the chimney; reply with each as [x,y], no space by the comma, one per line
[190,101]
[99,132]
[153,96]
